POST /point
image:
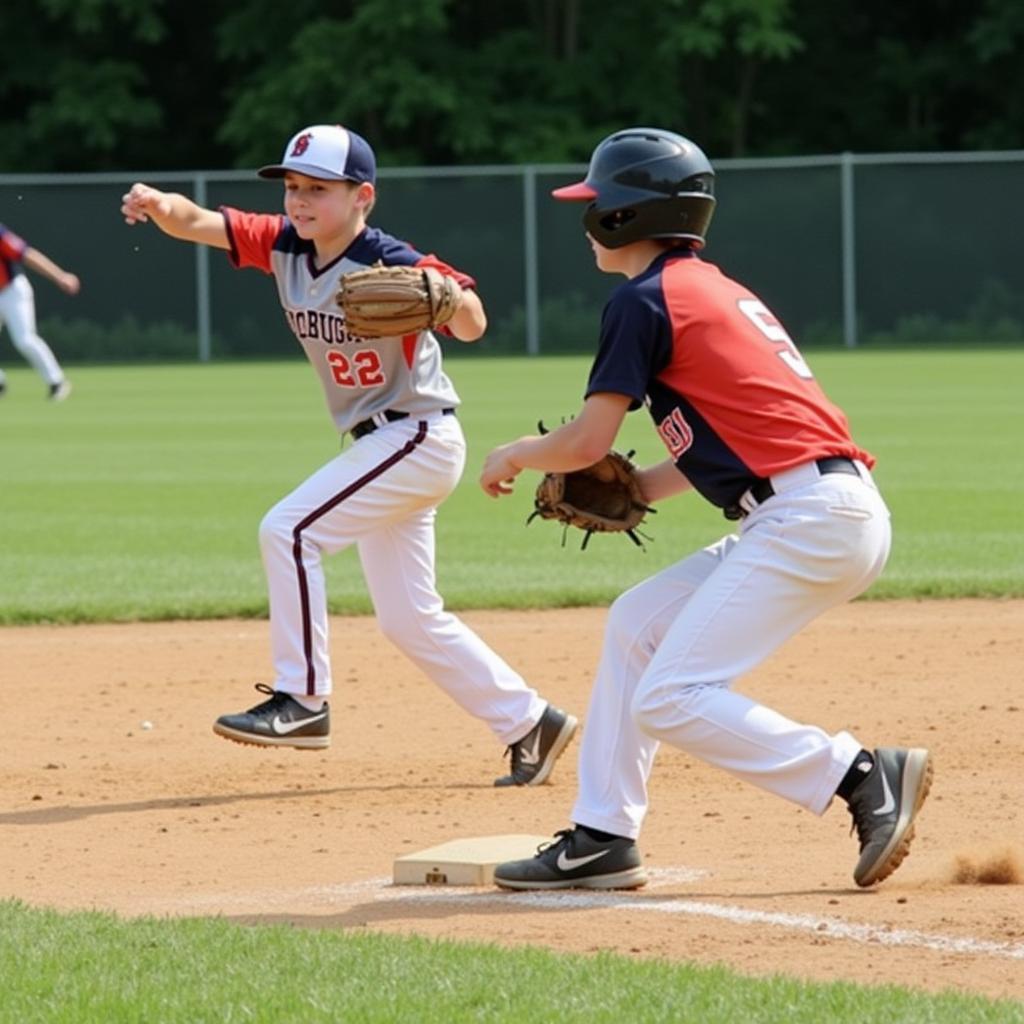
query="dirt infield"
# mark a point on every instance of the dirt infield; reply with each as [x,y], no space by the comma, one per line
[117,795]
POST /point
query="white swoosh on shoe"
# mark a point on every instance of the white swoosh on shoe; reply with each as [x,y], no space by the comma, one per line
[568,863]
[888,803]
[283,728]
[531,756]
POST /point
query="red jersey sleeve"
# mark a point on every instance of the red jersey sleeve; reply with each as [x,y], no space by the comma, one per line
[463,280]
[252,237]
[430,260]
[11,246]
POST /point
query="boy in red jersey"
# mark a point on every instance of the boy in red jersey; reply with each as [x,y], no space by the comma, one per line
[748,427]
[18,309]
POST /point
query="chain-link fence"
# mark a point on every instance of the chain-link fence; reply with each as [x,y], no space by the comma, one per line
[847,250]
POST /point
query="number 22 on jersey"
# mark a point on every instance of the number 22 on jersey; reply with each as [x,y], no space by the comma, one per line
[761,317]
[363,370]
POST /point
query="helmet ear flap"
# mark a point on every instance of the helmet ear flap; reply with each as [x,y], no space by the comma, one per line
[616,220]
[684,217]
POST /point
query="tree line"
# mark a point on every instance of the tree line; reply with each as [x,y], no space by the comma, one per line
[91,85]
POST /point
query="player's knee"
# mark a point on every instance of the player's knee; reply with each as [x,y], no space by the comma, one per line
[276,529]
[625,616]
[658,707]
[631,627]
[391,624]
[646,710]
[26,343]
[409,625]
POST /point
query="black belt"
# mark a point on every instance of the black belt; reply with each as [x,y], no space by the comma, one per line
[762,490]
[369,426]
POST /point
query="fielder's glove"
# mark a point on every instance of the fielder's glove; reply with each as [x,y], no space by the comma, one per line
[385,302]
[602,498]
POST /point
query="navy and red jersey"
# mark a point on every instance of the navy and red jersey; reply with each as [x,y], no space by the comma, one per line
[729,393]
[12,252]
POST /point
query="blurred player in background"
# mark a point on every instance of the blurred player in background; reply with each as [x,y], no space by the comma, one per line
[393,399]
[18,308]
[746,424]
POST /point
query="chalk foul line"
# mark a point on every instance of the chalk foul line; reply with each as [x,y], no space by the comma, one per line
[381,889]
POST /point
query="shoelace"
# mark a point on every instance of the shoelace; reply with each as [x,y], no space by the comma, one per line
[858,820]
[515,758]
[563,835]
[276,699]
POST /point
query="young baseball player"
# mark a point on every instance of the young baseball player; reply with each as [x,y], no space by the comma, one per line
[407,453]
[18,309]
[747,426]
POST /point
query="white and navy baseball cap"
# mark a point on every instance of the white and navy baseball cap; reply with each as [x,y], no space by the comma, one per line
[326,151]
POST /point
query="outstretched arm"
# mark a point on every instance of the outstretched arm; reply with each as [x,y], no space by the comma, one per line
[174,214]
[42,264]
[578,443]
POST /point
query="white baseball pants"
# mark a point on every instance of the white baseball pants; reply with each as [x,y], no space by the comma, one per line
[381,494]
[18,311]
[675,643]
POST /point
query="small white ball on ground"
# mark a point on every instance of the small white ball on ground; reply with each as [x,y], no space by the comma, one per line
[147,724]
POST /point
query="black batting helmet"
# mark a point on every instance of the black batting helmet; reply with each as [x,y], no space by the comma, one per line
[646,183]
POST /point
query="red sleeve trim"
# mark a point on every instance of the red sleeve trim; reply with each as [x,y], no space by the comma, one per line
[11,246]
[430,260]
[251,237]
[464,281]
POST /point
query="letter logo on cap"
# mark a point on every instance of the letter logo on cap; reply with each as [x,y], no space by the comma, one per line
[301,144]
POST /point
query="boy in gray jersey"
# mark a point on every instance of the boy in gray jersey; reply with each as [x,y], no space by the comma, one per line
[382,492]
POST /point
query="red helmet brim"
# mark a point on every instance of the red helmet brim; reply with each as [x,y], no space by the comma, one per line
[581,190]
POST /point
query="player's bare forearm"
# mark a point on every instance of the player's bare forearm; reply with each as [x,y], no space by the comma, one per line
[176,215]
[662,480]
[578,443]
[42,264]
[470,322]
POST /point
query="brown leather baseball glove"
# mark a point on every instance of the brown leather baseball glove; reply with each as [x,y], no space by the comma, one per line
[602,498]
[384,302]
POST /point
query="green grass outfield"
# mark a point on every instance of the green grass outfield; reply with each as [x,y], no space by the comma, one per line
[66,969]
[140,497]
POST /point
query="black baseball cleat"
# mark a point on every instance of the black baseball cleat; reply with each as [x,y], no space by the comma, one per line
[535,754]
[574,860]
[884,807]
[280,721]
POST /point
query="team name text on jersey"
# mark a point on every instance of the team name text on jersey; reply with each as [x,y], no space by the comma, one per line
[326,327]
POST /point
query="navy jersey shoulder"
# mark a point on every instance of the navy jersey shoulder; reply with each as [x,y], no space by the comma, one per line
[288,240]
[373,245]
[636,336]
[369,246]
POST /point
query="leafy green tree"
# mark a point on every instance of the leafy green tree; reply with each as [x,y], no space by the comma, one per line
[167,84]
[70,97]
[381,70]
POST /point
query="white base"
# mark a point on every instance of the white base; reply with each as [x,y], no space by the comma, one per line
[468,861]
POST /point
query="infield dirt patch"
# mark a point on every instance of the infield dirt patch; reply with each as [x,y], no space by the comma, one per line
[100,810]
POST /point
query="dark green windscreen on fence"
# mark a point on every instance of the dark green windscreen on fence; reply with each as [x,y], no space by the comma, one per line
[939,251]
[779,233]
[138,297]
[935,257]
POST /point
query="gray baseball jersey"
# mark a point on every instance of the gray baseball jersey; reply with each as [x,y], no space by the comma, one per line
[361,377]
